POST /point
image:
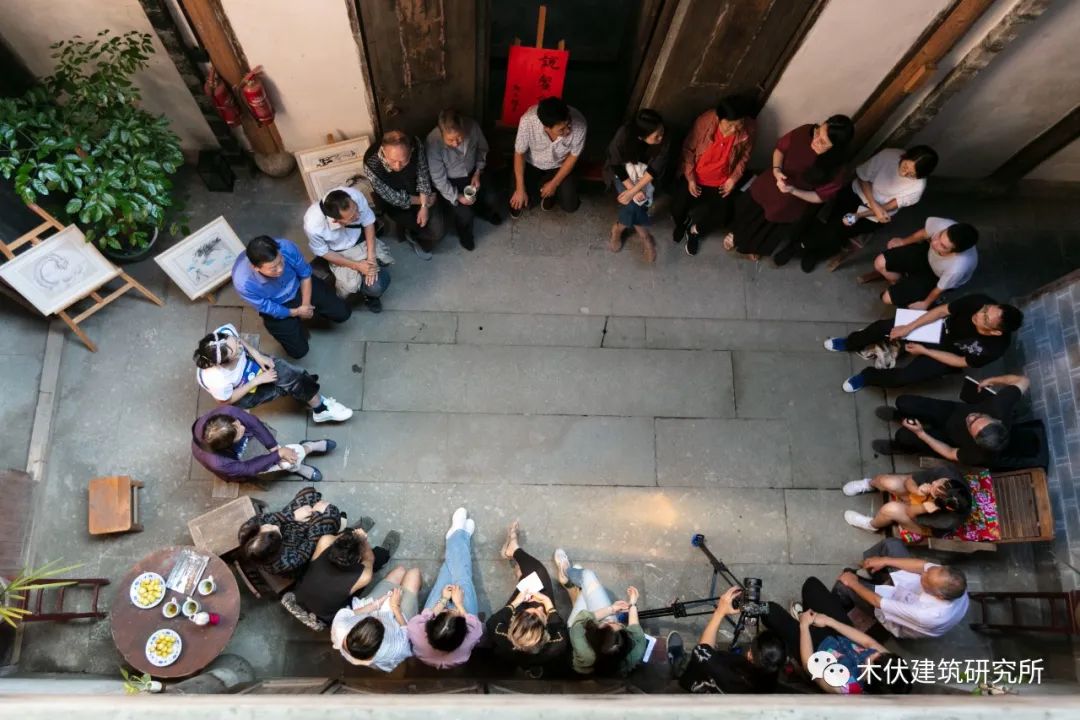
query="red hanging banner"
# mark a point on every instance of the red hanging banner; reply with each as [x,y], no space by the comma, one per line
[532,74]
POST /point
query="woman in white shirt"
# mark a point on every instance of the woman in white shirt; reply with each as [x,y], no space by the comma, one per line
[888,181]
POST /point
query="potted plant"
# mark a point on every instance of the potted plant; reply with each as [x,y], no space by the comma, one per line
[135,684]
[13,594]
[81,135]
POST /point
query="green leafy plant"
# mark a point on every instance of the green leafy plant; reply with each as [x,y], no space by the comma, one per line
[15,590]
[134,684]
[81,133]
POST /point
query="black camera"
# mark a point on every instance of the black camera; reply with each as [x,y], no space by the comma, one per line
[749,602]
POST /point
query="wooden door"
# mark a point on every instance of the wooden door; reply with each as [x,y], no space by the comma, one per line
[716,47]
[422,57]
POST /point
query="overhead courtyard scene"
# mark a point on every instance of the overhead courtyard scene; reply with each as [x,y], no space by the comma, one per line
[472,357]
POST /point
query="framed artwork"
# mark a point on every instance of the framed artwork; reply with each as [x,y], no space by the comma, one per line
[202,261]
[316,162]
[323,180]
[58,271]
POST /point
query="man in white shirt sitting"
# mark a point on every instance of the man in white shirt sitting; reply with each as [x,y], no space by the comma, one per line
[341,230]
[916,599]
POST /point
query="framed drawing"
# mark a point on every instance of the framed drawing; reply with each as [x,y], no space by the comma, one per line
[334,154]
[202,262]
[59,271]
[325,179]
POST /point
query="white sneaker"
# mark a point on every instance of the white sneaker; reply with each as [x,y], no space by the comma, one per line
[470,526]
[857,487]
[334,412]
[457,521]
[857,519]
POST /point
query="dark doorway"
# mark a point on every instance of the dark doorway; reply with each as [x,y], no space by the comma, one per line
[602,38]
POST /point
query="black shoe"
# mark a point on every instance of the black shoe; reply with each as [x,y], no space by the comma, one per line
[365,523]
[494,219]
[515,213]
[782,258]
[693,243]
[887,413]
[885,447]
[675,648]
[548,203]
[391,542]
[373,304]
[679,232]
[314,474]
[809,262]
[330,445]
[467,242]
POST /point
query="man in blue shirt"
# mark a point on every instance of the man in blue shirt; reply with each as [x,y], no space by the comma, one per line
[273,277]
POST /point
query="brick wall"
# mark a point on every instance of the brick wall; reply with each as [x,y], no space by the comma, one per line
[1049,351]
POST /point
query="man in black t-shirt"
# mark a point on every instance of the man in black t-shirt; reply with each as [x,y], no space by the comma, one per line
[977,330]
[710,670]
[967,433]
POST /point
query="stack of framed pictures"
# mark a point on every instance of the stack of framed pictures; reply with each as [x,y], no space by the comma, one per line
[338,164]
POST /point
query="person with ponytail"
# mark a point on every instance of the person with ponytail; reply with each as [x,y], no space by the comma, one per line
[808,169]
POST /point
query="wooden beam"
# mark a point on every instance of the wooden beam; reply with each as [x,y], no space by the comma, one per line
[212,26]
[1029,157]
[936,41]
[999,37]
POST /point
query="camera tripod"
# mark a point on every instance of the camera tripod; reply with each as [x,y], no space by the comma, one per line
[703,606]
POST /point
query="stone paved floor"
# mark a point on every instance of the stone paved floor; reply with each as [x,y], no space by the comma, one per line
[615,408]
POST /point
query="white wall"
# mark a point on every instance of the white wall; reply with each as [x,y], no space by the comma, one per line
[1063,166]
[30,26]
[1028,87]
[312,66]
[846,54]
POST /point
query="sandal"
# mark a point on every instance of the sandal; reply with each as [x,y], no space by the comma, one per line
[729,242]
[511,537]
[562,565]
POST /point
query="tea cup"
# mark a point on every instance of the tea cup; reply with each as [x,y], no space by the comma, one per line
[171,608]
[207,585]
[190,607]
[201,618]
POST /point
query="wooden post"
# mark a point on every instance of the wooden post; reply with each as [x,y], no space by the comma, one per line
[209,21]
[541,21]
[1029,157]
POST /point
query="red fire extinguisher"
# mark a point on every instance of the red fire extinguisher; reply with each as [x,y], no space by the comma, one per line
[223,99]
[254,94]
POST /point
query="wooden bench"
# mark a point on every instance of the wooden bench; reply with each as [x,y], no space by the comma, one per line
[114,505]
[1023,507]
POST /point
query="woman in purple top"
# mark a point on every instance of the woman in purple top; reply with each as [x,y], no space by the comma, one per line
[448,629]
[221,442]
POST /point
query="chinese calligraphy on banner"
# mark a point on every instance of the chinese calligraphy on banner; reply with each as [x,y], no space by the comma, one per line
[531,75]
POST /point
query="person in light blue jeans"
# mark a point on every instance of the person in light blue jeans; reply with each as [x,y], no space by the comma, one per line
[448,629]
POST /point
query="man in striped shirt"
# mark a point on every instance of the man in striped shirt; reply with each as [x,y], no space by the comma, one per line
[550,138]
[398,172]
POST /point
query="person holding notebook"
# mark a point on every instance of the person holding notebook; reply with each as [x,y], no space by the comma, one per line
[975,331]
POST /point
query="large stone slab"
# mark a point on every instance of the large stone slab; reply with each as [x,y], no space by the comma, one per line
[803,389]
[382,447]
[19,390]
[817,532]
[705,334]
[394,326]
[517,329]
[787,294]
[577,381]
[723,453]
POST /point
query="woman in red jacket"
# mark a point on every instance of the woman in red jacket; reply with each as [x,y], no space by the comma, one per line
[808,169]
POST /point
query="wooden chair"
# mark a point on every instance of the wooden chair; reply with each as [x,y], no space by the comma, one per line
[34,600]
[1023,507]
[258,581]
[114,505]
[1063,609]
[216,531]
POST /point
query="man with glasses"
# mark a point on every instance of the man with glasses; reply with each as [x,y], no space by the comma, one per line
[341,230]
[975,332]
[550,139]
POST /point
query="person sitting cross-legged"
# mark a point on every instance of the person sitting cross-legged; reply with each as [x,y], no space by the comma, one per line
[711,670]
[966,433]
[342,565]
[445,633]
[976,330]
[599,642]
[819,623]
[234,372]
[372,632]
[931,501]
[922,266]
[224,441]
[398,171]
[341,230]
[550,139]
[283,542]
[274,278]
[911,598]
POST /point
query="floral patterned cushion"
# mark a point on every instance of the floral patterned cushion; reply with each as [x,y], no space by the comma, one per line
[983,525]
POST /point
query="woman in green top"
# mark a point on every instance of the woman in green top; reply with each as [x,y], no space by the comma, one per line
[600,643]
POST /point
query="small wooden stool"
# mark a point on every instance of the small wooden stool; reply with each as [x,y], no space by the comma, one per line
[216,530]
[114,505]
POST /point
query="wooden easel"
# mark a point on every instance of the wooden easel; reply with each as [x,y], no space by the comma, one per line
[35,236]
[541,23]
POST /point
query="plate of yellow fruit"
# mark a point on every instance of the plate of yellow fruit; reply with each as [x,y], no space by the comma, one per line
[163,647]
[147,590]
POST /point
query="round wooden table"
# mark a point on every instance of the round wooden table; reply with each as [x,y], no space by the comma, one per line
[131,626]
